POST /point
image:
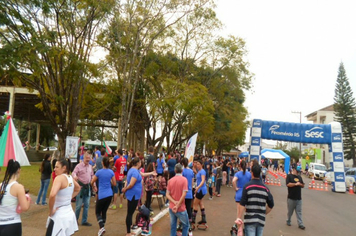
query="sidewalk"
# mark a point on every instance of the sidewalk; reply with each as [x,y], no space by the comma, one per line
[34,220]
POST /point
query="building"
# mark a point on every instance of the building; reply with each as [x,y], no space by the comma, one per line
[325,116]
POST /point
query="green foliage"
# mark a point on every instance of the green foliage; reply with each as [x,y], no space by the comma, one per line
[294,153]
[344,106]
[46,45]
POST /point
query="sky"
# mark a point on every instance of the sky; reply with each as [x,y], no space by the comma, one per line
[294,50]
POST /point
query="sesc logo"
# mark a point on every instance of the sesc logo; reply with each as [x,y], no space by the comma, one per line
[338,157]
[337,138]
[257,123]
[316,132]
[339,177]
[256,141]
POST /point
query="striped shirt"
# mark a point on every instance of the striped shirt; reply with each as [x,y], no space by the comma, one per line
[255,196]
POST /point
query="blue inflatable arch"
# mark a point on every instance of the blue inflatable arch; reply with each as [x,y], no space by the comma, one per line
[330,134]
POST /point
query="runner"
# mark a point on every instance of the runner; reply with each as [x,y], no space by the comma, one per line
[200,192]
[240,179]
[106,179]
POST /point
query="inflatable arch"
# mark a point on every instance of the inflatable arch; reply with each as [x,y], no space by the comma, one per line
[330,134]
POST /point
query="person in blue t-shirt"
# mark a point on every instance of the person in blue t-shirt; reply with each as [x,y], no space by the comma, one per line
[189,175]
[171,163]
[133,189]
[200,192]
[126,156]
[241,178]
[106,178]
[160,163]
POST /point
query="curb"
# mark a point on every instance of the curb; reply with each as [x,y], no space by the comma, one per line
[138,231]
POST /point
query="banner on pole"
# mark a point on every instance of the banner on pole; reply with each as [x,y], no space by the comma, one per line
[72,148]
[190,148]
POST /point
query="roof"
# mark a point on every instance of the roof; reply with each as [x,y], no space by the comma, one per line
[328,108]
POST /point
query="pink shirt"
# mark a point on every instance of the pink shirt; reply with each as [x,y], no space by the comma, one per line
[176,186]
[83,172]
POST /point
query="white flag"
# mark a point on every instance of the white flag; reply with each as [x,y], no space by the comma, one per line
[190,148]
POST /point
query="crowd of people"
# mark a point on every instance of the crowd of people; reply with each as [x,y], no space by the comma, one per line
[183,183]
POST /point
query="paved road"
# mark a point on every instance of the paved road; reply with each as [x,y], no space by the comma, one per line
[324,213]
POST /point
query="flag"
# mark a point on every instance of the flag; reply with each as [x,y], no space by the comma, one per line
[190,148]
[107,148]
[11,146]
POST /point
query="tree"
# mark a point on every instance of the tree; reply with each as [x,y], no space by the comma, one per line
[344,106]
[179,108]
[132,33]
[294,154]
[46,45]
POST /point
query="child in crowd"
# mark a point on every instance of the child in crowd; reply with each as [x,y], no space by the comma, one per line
[211,184]
[162,188]
[264,172]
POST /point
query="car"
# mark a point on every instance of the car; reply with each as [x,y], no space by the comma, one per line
[317,170]
[350,177]
[50,149]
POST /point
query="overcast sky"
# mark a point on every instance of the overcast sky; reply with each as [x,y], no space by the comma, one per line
[294,50]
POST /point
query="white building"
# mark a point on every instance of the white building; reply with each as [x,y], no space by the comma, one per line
[325,116]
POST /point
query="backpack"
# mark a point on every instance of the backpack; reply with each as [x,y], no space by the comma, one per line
[149,183]
[143,222]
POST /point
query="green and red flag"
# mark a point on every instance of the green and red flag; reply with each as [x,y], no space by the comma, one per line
[11,146]
[107,148]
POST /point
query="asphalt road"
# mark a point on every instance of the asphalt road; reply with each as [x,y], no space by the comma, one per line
[324,213]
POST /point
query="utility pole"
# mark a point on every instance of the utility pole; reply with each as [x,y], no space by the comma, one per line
[300,121]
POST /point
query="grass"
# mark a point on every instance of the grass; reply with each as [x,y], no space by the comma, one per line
[30,177]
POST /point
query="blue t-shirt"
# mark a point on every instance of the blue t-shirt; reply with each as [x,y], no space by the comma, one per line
[189,175]
[104,176]
[242,179]
[160,166]
[199,179]
[171,163]
[115,158]
[137,188]
[126,156]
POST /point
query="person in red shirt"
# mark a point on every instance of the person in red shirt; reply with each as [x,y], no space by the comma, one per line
[119,169]
[176,191]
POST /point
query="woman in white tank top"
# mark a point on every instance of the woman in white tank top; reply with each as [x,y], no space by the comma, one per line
[62,220]
[13,200]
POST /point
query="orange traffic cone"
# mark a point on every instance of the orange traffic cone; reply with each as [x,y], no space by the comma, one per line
[266,183]
[309,186]
[321,187]
[326,185]
[351,189]
[317,186]
[279,182]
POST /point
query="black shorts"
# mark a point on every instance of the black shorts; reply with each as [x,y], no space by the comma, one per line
[125,172]
[199,195]
[11,229]
[161,174]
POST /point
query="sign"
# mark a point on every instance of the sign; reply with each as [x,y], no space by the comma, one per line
[72,148]
[307,157]
[296,132]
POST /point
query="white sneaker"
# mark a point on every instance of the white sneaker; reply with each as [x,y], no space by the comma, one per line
[101,231]
[210,198]
[166,205]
